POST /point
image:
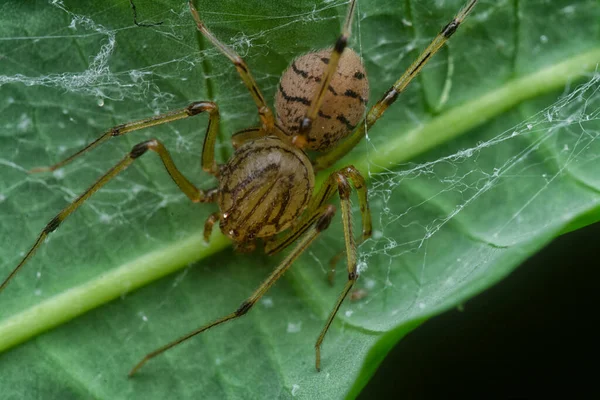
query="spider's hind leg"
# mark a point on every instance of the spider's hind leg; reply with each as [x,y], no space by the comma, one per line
[340,182]
[319,225]
[194,194]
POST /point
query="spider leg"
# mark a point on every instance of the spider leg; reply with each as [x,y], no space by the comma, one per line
[391,95]
[321,224]
[264,112]
[195,194]
[208,149]
[339,182]
[245,135]
[208,225]
[336,53]
[344,192]
[359,184]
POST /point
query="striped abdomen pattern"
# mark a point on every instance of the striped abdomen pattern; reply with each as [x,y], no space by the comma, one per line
[263,189]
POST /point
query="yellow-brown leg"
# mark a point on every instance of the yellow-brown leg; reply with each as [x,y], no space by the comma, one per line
[264,112]
[245,135]
[208,151]
[195,194]
[391,95]
[359,183]
[337,181]
[209,224]
[336,53]
[321,224]
[344,192]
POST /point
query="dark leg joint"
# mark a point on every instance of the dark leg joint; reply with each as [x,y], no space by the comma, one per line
[244,308]
[211,196]
[343,187]
[239,63]
[390,97]
[116,131]
[352,276]
[200,107]
[305,125]
[449,29]
[341,44]
[52,225]
[140,149]
[325,220]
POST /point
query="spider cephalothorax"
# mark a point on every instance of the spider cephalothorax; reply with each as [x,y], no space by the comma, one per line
[266,189]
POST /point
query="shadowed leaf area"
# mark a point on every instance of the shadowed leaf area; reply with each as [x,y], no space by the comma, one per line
[489,154]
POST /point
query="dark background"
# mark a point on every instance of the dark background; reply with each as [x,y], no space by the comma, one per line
[531,335]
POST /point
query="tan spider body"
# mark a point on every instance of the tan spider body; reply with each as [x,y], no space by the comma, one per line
[268,182]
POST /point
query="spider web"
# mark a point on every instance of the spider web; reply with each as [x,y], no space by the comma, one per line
[466,181]
[540,148]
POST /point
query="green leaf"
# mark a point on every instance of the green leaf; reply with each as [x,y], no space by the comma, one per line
[487,156]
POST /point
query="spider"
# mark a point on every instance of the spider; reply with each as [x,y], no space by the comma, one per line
[266,189]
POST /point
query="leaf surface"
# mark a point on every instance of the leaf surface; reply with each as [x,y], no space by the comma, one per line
[489,154]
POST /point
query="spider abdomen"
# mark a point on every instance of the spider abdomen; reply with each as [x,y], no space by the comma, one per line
[343,106]
[263,189]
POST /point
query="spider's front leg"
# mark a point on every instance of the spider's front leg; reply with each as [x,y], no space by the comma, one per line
[378,109]
[196,195]
[264,112]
